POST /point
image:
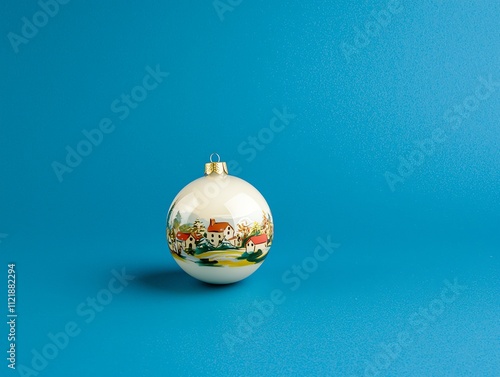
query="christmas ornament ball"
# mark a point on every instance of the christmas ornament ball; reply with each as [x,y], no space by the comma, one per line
[219,227]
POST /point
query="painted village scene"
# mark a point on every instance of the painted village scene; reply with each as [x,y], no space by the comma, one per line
[218,242]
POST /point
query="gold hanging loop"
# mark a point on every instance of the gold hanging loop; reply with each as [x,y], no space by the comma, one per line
[216,167]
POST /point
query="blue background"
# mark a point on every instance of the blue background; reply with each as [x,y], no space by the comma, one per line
[356,115]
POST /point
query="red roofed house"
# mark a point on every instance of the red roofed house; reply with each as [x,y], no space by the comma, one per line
[187,240]
[255,243]
[217,232]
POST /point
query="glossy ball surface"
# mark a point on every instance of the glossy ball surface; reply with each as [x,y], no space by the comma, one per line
[219,229]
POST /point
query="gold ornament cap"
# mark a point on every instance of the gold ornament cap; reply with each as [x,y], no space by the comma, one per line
[217,167]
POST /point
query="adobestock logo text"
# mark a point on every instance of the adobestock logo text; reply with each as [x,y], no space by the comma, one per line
[30,26]
[122,107]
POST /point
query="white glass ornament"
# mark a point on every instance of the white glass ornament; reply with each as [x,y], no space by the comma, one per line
[219,227]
